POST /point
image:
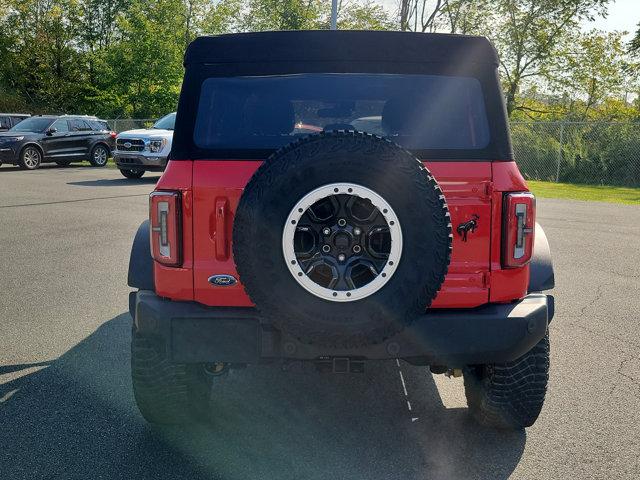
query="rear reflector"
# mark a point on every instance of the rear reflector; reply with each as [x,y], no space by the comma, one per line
[166,228]
[519,219]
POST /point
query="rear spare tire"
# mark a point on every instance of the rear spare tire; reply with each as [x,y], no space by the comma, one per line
[342,239]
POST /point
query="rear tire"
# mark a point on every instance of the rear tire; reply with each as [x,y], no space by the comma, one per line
[161,388]
[99,155]
[509,395]
[167,393]
[30,158]
[132,173]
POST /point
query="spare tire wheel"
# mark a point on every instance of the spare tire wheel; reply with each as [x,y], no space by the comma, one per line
[342,239]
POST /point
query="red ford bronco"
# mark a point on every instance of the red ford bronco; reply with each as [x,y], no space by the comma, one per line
[341,197]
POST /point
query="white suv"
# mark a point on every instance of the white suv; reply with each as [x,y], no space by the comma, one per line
[143,150]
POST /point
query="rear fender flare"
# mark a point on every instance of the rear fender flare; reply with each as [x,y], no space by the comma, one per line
[140,262]
[541,267]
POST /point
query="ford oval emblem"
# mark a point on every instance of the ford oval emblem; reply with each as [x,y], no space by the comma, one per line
[222,280]
[127,144]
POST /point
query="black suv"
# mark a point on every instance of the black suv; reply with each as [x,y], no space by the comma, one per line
[61,139]
[8,120]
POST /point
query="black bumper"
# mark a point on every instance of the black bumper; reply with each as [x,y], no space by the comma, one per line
[135,161]
[492,333]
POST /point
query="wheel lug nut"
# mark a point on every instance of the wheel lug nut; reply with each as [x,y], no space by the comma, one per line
[342,222]
[357,249]
[357,231]
[326,231]
[341,257]
[326,248]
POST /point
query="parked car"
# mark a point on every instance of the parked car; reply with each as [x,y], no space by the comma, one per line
[145,149]
[57,138]
[8,120]
[268,243]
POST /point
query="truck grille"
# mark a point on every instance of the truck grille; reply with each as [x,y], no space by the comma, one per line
[130,145]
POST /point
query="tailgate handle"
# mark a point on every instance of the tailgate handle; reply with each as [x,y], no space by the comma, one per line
[221,243]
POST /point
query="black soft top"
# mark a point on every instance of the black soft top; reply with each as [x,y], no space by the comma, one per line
[341,46]
[341,51]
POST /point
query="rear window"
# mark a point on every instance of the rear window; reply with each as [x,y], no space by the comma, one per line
[419,112]
[99,125]
[78,125]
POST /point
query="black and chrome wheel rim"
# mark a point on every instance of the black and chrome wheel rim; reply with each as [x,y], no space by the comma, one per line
[342,242]
[100,156]
[31,157]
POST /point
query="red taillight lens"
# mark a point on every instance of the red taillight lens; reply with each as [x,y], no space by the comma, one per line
[166,228]
[519,219]
[113,134]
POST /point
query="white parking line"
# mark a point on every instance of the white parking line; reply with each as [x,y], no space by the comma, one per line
[404,386]
[404,389]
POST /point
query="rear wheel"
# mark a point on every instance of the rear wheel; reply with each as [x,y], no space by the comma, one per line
[30,157]
[509,395]
[99,156]
[166,393]
[131,173]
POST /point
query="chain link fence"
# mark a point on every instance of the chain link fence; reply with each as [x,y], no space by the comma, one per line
[596,153]
[124,124]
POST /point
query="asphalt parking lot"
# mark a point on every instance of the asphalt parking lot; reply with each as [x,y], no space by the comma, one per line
[66,405]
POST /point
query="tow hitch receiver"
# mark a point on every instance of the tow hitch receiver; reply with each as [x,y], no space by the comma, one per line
[340,365]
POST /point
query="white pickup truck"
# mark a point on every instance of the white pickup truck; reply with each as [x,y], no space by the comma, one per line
[141,150]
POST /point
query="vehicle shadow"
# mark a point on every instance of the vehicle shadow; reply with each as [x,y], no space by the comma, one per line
[116,182]
[76,419]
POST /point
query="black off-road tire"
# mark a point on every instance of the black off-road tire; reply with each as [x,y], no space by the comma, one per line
[361,159]
[166,393]
[131,173]
[510,395]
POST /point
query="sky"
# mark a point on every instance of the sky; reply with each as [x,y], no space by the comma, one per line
[623,15]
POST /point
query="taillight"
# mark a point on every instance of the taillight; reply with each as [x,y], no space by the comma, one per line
[166,227]
[113,134]
[519,217]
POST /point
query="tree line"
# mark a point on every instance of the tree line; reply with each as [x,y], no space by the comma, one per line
[123,58]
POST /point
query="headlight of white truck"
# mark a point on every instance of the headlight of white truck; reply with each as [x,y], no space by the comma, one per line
[157,145]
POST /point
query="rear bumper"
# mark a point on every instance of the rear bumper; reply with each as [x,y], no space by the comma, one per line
[195,333]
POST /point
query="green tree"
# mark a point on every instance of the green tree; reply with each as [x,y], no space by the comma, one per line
[589,69]
[40,62]
[364,16]
[528,34]
[222,17]
[148,57]
[261,15]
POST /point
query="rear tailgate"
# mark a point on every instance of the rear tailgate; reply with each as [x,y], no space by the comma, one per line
[218,185]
